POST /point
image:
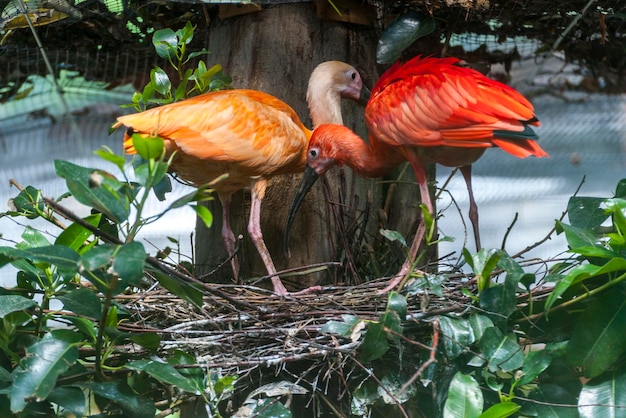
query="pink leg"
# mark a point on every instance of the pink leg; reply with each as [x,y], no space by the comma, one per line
[473,209]
[254,229]
[227,233]
[419,166]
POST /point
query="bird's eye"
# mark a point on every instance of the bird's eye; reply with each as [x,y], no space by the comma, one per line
[353,76]
[313,153]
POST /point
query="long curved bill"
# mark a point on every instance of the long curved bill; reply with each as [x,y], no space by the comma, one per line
[309,178]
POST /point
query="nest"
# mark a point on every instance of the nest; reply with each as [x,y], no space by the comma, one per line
[244,327]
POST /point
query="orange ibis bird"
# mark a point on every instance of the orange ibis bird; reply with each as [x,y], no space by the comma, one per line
[427,110]
[247,134]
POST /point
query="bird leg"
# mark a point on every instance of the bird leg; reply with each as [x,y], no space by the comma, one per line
[466,170]
[227,234]
[257,191]
[419,166]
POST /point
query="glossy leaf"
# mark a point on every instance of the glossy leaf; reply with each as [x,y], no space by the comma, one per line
[269,408]
[165,43]
[108,155]
[59,255]
[499,302]
[401,33]
[14,303]
[128,262]
[586,212]
[393,236]
[577,237]
[534,364]
[375,343]
[161,82]
[95,188]
[465,398]
[71,399]
[351,327]
[122,396]
[165,373]
[29,202]
[501,351]
[458,335]
[75,235]
[148,147]
[98,257]
[82,302]
[600,396]
[598,338]
[189,292]
[148,340]
[501,410]
[551,397]
[39,370]
[204,214]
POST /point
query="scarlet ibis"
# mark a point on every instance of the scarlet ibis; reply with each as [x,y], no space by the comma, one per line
[426,110]
[250,135]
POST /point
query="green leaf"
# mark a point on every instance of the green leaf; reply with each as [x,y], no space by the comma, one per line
[401,33]
[107,154]
[82,302]
[98,257]
[63,257]
[85,326]
[14,303]
[188,291]
[269,408]
[393,236]
[499,302]
[75,235]
[458,335]
[351,327]
[33,239]
[205,214]
[483,263]
[501,410]
[620,189]
[39,370]
[554,402]
[118,392]
[148,147]
[128,262]
[165,373]
[465,398]
[586,212]
[578,237]
[600,396]
[165,43]
[397,303]
[148,340]
[534,364]
[71,399]
[598,338]
[161,82]
[375,343]
[501,351]
[29,202]
[363,397]
[95,188]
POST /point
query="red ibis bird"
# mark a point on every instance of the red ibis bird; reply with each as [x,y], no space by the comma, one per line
[426,110]
[250,135]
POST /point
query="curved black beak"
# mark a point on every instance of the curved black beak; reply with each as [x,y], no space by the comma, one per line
[365,95]
[309,178]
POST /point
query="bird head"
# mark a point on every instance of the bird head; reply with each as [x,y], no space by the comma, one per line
[334,80]
[322,154]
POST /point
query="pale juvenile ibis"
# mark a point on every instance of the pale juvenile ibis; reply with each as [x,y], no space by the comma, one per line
[250,135]
[426,110]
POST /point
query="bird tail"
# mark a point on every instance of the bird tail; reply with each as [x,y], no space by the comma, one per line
[520,144]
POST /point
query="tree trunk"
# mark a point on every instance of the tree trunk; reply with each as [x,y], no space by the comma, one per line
[275,50]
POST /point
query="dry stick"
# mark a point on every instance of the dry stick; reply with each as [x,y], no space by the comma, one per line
[549,235]
[431,358]
[66,213]
[380,384]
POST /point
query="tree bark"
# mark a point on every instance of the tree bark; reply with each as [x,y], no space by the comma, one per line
[275,50]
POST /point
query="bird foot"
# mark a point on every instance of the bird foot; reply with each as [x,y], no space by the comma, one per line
[312,289]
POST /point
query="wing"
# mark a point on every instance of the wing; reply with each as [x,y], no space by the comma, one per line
[431,102]
[245,128]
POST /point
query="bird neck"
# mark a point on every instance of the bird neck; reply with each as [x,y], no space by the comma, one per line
[372,159]
[324,102]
